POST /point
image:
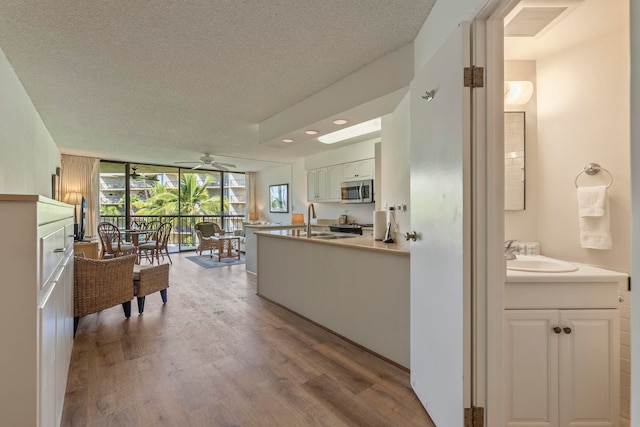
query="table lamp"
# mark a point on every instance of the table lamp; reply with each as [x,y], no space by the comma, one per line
[74,198]
[297,219]
[253,216]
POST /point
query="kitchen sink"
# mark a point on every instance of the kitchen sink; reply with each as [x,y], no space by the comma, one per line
[334,236]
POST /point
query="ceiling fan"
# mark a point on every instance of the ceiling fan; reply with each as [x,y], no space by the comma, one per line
[135,175]
[207,161]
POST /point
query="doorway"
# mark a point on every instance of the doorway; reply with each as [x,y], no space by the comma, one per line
[586,43]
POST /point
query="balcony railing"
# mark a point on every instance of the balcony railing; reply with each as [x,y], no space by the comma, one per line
[183,235]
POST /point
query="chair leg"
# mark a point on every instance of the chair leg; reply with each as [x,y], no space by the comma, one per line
[170,262]
[141,304]
[126,306]
[76,320]
[163,294]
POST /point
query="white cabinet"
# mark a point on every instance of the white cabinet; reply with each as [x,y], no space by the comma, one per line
[561,367]
[323,184]
[561,341]
[36,311]
[356,171]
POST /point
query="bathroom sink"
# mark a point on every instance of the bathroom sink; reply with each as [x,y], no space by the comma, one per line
[540,264]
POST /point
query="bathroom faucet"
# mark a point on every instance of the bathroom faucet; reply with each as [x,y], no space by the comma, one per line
[310,210]
[510,248]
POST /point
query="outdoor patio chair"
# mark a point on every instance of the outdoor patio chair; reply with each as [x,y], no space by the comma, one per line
[111,240]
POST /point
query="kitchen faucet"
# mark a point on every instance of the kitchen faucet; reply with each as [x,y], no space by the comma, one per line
[310,210]
[510,248]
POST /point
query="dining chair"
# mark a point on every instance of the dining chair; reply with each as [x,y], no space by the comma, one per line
[111,240]
[159,247]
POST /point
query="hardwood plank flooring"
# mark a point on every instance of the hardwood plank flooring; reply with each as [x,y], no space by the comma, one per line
[218,355]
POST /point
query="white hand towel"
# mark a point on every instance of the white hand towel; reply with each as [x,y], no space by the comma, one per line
[592,200]
[594,230]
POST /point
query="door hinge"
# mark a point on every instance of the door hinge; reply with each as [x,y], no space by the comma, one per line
[474,417]
[473,76]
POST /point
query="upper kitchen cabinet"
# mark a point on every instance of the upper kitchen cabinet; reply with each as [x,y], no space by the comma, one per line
[323,184]
[359,170]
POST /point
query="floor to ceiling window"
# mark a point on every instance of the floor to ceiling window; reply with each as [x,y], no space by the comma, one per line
[135,193]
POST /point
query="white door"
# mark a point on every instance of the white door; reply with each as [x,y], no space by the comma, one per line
[440,214]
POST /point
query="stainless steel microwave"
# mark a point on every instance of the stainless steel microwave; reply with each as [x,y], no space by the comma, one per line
[357,191]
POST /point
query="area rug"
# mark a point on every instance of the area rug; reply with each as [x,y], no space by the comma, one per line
[206,262]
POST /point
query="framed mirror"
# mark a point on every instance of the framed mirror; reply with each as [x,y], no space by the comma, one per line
[279,198]
[514,161]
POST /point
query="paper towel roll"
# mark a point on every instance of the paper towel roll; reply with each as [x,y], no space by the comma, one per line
[379,224]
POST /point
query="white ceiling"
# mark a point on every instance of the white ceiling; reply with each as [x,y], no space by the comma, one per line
[164,81]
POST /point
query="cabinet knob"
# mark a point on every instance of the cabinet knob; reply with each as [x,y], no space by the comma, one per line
[557,329]
[567,330]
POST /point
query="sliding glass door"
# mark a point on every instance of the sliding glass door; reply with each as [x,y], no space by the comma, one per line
[139,193]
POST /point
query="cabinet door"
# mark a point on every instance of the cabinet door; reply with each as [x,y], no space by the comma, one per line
[321,184]
[334,179]
[312,194]
[531,368]
[362,169]
[589,368]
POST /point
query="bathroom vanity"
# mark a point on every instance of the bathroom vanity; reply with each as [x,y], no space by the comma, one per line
[562,346]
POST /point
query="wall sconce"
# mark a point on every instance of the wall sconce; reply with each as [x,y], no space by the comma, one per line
[517,92]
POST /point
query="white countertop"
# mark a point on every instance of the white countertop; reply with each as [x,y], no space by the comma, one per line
[585,273]
[367,243]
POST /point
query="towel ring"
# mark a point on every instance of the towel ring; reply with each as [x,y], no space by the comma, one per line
[592,169]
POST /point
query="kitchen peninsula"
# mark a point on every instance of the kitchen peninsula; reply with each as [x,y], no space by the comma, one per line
[355,287]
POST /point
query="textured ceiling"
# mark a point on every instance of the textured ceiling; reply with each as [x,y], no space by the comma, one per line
[162,81]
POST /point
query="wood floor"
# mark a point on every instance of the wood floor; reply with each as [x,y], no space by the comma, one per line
[218,355]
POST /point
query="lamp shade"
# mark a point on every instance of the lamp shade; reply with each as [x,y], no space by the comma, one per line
[253,216]
[73,198]
[297,218]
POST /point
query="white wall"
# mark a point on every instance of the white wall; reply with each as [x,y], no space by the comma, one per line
[635,160]
[29,154]
[583,116]
[395,164]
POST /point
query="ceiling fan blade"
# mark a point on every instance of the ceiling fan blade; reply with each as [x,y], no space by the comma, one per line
[229,165]
[197,167]
[185,163]
[221,168]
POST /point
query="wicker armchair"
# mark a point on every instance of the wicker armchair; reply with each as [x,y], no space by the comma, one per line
[101,284]
[149,280]
[207,233]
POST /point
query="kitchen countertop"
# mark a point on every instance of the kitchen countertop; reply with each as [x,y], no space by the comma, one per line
[367,243]
[273,226]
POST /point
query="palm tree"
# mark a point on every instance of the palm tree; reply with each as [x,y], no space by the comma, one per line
[193,199]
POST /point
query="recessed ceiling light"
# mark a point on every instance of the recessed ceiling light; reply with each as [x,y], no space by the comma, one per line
[287,140]
[311,132]
[352,131]
[340,122]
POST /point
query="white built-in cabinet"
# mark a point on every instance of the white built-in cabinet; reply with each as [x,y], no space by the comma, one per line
[36,308]
[355,171]
[324,184]
[562,350]
[561,367]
